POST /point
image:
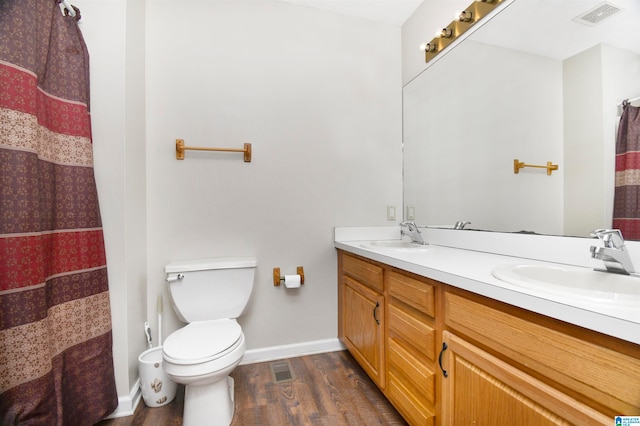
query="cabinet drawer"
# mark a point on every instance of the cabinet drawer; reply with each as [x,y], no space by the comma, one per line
[412,331]
[415,293]
[410,385]
[406,403]
[609,378]
[415,375]
[365,272]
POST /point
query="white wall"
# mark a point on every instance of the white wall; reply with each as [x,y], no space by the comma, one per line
[113,31]
[135,183]
[583,142]
[319,97]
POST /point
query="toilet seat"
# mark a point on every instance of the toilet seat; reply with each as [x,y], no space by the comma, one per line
[202,341]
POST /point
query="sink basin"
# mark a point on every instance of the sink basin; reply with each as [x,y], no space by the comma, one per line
[396,245]
[596,286]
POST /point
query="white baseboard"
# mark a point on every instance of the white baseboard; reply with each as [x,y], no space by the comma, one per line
[272,353]
[127,404]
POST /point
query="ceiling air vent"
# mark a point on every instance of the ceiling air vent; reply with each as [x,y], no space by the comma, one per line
[597,14]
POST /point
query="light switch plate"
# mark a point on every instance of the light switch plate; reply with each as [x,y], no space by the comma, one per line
[391,213]
[411,213]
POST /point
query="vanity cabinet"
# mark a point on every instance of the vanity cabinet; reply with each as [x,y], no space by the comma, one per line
[361,314]
[504,364]
[532,365]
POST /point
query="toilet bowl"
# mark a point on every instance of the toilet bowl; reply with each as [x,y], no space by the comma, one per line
[201,356]
[209,294]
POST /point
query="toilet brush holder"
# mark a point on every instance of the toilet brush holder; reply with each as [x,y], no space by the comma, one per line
[157,388]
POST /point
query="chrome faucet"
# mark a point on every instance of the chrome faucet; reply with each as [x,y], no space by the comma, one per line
[412,232]
[460,225]
[614,254]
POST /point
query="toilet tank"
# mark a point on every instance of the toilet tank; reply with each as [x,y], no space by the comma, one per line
[210,288]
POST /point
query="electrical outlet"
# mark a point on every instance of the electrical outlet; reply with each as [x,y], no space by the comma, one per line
[391,213]
[411,213]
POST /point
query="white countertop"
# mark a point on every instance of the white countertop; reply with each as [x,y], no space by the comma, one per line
[471,270]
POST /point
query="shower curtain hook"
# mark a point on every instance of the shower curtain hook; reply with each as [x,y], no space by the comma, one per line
[69,8]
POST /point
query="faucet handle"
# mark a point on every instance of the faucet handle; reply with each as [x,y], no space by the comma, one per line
[410,225]
[612,238]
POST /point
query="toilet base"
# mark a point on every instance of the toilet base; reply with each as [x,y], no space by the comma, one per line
[210,404]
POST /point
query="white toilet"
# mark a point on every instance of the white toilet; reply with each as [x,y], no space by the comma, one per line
[209,294]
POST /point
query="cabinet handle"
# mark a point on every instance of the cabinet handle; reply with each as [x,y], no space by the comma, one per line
[375,311]
[444,348]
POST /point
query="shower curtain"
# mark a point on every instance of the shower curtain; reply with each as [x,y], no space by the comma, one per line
[56,363]
[626,206]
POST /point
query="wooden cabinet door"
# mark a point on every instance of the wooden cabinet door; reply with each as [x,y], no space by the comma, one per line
[604,372]
[363,313]
[483,390]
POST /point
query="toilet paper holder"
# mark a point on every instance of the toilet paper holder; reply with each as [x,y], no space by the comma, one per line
[277,279]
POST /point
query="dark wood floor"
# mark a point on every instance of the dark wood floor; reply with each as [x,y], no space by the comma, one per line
[329,389]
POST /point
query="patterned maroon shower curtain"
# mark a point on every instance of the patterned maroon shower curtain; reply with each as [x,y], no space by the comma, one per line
[626,207]
[56,364]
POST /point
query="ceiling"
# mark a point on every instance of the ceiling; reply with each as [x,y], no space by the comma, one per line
[548,28]
[393,12]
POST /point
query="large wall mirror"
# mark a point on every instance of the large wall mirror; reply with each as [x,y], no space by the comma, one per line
[534,84]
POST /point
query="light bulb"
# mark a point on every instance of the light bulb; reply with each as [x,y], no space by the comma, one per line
[445,32]
[430,47]
[463,16]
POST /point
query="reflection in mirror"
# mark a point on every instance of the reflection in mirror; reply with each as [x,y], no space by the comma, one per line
[532,84]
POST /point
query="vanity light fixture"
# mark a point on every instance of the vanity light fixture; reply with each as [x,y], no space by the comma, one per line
[463,20]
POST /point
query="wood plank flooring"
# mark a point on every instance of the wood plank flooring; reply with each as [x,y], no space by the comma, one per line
[329,389]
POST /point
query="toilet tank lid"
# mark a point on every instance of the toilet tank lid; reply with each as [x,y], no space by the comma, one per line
[210,263]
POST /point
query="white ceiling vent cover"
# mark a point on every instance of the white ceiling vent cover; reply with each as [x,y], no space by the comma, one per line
[597,14]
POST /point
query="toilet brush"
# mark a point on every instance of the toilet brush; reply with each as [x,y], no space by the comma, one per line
[159,309]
